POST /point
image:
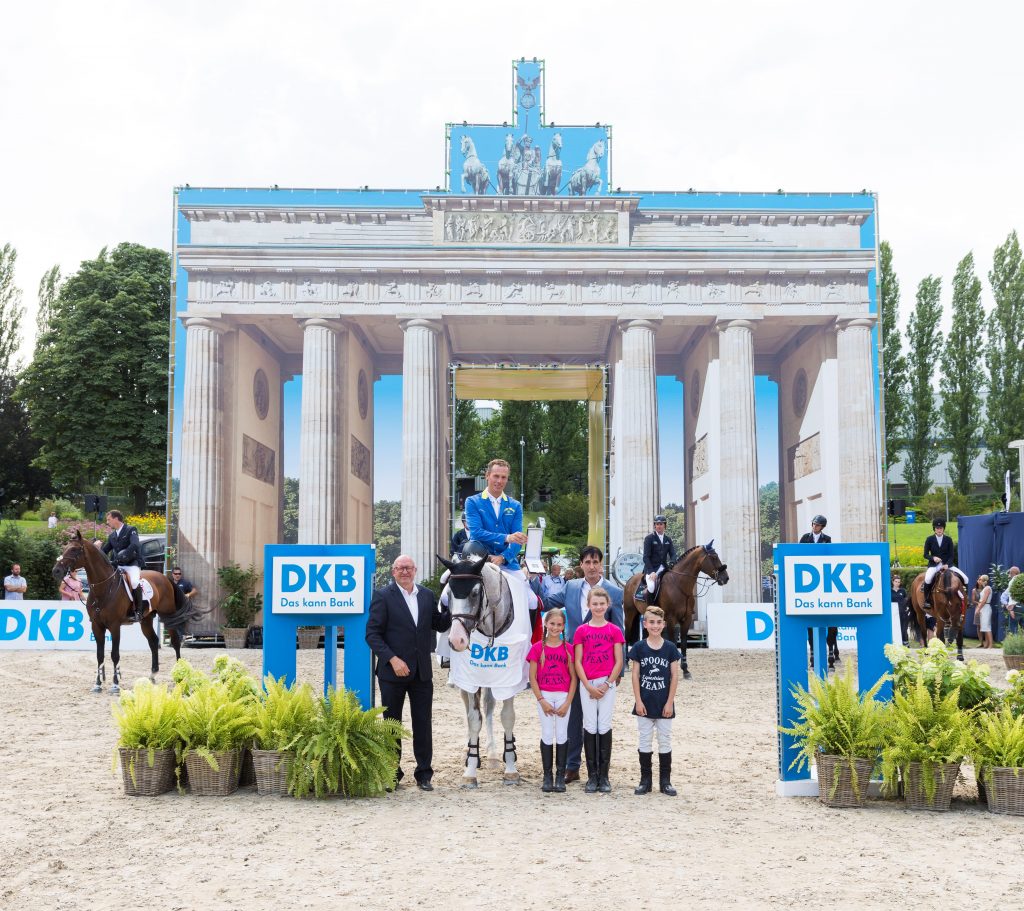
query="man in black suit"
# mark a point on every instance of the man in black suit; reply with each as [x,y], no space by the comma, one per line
[124,550]
[938,554]
[659,555]
[400,632]
[817,536]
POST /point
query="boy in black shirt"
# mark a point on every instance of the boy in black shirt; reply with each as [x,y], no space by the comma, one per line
[655,678]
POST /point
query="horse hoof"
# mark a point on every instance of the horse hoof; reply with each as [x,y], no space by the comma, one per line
[115,690]
[96,689]
[469,784]
[687,675]
[512,778]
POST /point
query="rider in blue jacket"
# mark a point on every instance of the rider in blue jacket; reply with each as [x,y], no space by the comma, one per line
[495,519]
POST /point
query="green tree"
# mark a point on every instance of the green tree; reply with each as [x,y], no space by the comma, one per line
[49,287]
[563,466]
[768,495]
[1004,405]
[97,389]
[387,535]
[469,453]
[961,389]
[675,527]
[924,340]
[519,421]
[894,364]
[290,515]
[11,310]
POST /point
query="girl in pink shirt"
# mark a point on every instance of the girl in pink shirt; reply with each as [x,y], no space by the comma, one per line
[553,681]
[598,645]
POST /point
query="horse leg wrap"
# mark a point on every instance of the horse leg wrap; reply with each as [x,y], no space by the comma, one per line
[472,764]
[510,757]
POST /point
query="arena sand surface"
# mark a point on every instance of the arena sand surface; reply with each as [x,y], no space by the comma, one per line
[71,840]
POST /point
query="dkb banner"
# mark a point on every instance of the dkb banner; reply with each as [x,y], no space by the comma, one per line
[57,625]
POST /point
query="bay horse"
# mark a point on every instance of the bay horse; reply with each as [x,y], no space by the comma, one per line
[675,596]
[947,608]
[109,606]
[480,600]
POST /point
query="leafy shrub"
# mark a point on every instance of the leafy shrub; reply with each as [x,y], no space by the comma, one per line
[212,720]
[148,717]
[569,516]
[932,505]
[283,714]
[1017,588]
[233,674]
[937,666]
[243,601]
[1013,696]
[1013,644]
[999,742]
[30,515]
[36,553]
[190,679]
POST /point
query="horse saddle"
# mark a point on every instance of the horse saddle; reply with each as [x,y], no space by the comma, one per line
[650,598]
[147,589]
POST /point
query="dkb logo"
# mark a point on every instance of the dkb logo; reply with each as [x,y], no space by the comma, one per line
[847,578]
[489,653]
[295,578]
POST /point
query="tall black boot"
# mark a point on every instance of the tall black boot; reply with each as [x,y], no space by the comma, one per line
[645,774]
[605,753]
[139,603]
[590,751]
[665,774]
[561,752]
[927,592]
[546,755]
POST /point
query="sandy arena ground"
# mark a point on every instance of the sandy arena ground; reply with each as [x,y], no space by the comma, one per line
[71,840]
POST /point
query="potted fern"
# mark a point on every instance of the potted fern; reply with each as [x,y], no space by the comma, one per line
[841,731]
[147,718]
[241,604]
[999,760]
[214,726]
[927,737]
[346,750]
[279,719]
[1013,647]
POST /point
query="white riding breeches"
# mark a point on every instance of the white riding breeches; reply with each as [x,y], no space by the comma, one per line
[134,574]
[929,574]
[646,727]
[652,578]
[597,713]
[553,729]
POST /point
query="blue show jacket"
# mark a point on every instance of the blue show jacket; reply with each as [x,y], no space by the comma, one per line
[491,530]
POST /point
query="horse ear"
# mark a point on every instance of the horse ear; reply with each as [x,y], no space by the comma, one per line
[710,545]
[479,565]
[78,534]
[445,563]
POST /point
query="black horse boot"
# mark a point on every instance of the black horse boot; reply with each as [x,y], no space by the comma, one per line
[665,774]
[139,603]
[605,759]
[561,752]
[926,590]
[546,751]
[645,774]
[590,751]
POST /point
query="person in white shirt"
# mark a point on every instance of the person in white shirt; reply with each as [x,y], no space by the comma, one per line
[1009,605]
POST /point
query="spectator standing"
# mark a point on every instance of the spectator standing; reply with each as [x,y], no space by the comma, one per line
[70,588]
[184,585]
[552,582]
[1008,604]
[15,585]
[899,598]
[52,521]
[983,612]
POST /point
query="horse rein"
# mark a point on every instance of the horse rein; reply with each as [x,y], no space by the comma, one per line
[467,620]
[92,586]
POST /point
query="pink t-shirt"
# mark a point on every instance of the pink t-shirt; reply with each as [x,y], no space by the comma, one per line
[553,674]
[598,648]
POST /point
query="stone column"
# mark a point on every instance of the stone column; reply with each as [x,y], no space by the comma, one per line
[741,541]
[636,397]
[321,486]
[858,450]
[202,512]
[422,450]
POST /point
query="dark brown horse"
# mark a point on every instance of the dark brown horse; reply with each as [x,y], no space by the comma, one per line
[676,594]
[947,608]
[109,606]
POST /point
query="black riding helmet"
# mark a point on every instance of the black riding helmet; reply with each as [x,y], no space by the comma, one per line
[819,520]
[474,550]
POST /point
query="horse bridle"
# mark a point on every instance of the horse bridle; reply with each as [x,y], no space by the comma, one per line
[467,620]
[704,583]
[68,569]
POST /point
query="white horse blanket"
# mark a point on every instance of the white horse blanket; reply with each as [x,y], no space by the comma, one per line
[500,666]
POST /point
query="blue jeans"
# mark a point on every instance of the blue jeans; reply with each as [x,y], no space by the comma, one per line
[1012,623]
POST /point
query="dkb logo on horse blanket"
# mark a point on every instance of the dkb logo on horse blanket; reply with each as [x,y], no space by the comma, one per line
[484,655]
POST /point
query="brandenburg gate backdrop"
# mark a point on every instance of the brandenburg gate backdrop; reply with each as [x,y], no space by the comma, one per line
[529,257]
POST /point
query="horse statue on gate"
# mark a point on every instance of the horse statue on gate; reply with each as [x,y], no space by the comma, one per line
[505,165]
[480,600]
[947,607]
[589,175]
[552,168]
[109,607]
[473,170]
[675,593]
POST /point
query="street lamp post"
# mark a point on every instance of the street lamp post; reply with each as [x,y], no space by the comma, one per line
[522,469]
[1019,446]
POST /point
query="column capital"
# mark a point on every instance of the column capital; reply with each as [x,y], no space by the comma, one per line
[335,325]
[858,322]
[628,322]
[433,324]
[204,322]
[723,324]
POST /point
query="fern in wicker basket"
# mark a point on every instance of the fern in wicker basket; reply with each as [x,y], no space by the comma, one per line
[147,718]
[213,720]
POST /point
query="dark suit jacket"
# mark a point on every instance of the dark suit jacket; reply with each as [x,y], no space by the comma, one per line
[943,552]
[123,547]
[657,554]
[808,538]
[390,631]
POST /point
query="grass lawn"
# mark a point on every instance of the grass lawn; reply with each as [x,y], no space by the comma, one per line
[909,539]
[30,525]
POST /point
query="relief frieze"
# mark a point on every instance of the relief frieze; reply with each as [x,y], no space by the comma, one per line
[531,228]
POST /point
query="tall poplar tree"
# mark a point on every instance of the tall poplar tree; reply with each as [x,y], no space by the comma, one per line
[49,285]
[894,364]
[962,372]
[924,340]
[1004,405]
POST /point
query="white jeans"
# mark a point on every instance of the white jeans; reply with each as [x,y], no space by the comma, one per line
[929,573]
[552,728]
[645,728]
[597,713]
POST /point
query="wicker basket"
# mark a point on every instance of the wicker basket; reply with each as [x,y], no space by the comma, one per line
[846,795]
[1013,662]
[945,781]
[205,781]
[149,780]
[234,636]
[247,772]
[272,768]
[309,637]
[1005,791]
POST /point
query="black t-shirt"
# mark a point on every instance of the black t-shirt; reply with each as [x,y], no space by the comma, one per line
[655,674]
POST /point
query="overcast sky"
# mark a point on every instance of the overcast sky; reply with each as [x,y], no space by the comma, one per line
[107,105]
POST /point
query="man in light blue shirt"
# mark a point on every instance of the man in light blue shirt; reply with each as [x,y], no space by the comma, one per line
[552,582]
[15,585]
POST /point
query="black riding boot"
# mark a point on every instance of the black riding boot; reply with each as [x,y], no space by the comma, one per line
[139,603]
[561,752]
[927,592]
[546,754]
[665,774]
[590,751]
[604,760]
[645,774]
